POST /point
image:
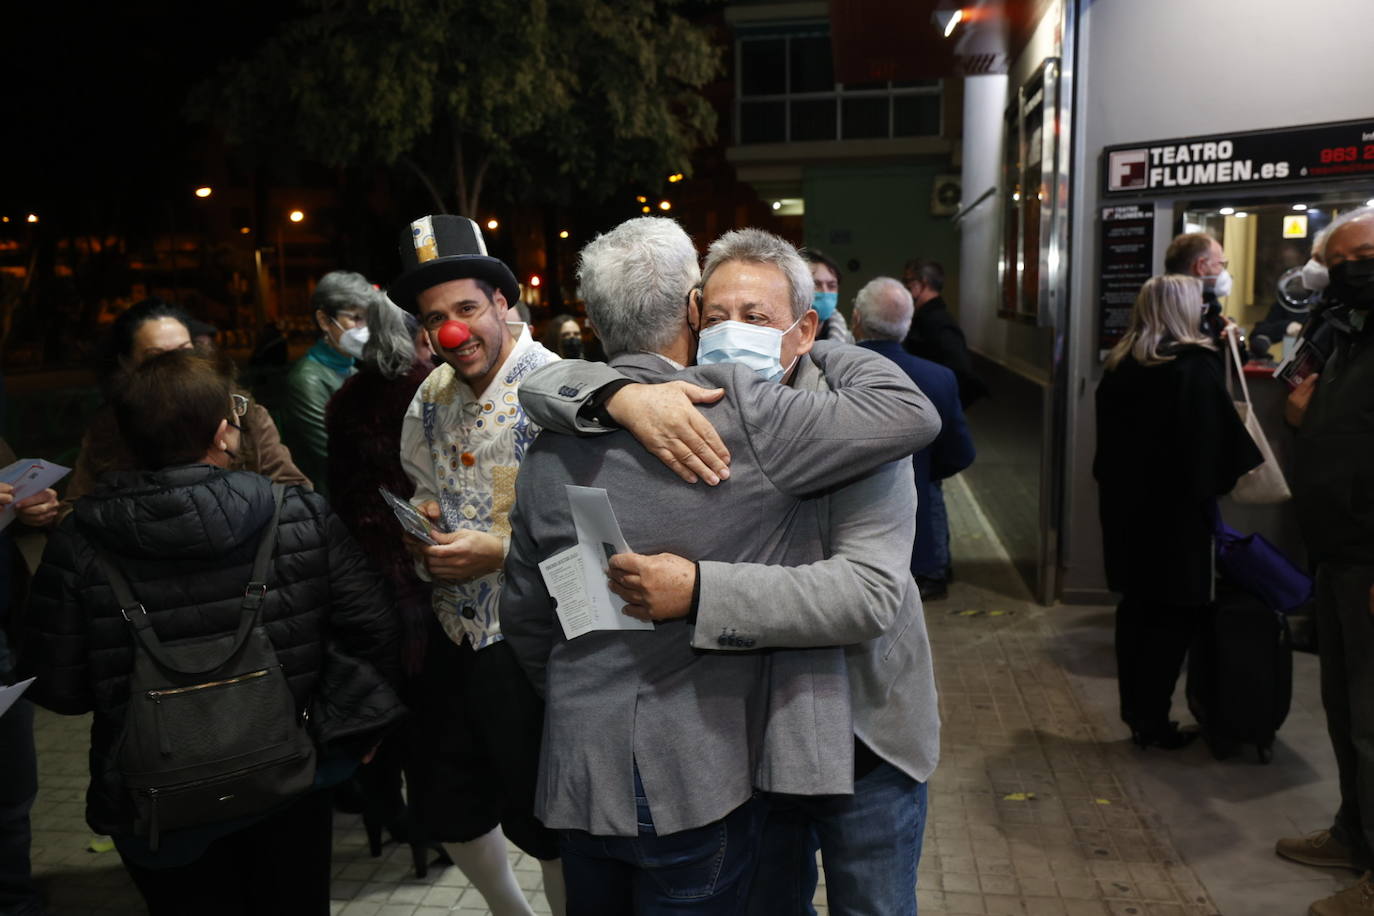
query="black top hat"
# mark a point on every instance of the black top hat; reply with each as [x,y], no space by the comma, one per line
[439,248]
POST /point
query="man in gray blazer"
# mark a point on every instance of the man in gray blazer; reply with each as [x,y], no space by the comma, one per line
[871,840]
[650,746]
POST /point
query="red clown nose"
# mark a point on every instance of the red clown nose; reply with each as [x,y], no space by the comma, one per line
[453,334]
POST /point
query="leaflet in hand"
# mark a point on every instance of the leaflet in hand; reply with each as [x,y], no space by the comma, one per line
[29,477]
[9,694]
[414,523]
[576,577]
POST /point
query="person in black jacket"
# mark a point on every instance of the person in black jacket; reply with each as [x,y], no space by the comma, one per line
[934,334]
[1333,486]
[1169,443]
[184,532]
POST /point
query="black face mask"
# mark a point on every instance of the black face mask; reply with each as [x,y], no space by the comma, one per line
[1352,282]
[570,347]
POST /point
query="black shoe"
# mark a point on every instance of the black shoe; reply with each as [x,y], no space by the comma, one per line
[1168,738]
[932,589]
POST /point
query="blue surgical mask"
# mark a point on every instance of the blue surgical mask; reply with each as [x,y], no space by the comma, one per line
[751,345]
[824,304]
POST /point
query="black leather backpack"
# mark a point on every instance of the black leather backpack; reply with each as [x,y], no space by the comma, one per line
[211,732]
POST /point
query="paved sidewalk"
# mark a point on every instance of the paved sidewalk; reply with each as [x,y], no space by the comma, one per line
[1040,806]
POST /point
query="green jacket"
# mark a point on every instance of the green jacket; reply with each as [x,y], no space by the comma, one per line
[311,383]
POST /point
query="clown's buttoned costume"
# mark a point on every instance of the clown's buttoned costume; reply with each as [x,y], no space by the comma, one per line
[462,450]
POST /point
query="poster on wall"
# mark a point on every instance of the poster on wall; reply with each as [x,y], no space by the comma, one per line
[1034,196]
[1011,213]
[1128,241]
[1317,152]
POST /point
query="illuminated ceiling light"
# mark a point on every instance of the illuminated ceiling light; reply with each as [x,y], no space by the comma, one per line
[534,280]
[204,192]
[1227,211]
[644,209]
[563,234]
[675,178]
[31,218]
[1300,206]
[642,199]
[295,216]
[1242,215]
[664,205]
[244,230]
[777,205]
[493,225]
[947,20]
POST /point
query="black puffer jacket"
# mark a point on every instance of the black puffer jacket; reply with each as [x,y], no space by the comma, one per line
[185,539]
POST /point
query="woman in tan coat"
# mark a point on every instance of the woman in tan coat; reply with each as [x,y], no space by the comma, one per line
[146,329]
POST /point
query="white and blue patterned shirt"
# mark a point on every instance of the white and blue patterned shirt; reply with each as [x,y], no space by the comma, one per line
[463,450]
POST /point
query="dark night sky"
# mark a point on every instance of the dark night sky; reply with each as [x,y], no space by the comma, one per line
[95,97]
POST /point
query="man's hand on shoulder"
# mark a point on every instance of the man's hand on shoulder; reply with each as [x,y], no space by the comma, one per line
[459,555]
[664,419]
[656,588]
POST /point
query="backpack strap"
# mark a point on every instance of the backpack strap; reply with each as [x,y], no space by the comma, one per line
[136,615]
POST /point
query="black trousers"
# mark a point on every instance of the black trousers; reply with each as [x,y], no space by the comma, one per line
[1152,640]
[480,725]
[1345,641]
[276,867]
[18,787]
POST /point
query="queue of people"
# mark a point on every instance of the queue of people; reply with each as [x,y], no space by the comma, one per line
[696,766]
[1170,443]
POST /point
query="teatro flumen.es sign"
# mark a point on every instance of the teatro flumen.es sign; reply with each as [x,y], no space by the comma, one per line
[1318,152]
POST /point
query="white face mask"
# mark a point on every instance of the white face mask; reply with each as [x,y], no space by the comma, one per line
[1314,275]
[353,340]
[1220,285]
[757,347]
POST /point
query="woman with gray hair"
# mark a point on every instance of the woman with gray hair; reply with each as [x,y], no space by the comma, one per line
[341,301]
[363,427]
[1169,443]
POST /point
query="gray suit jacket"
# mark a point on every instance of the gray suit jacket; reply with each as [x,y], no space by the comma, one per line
[691,720]
[866,527]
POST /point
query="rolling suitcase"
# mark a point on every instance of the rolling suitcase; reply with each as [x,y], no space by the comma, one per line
[1240,674]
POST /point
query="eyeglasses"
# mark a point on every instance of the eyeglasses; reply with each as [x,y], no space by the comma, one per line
[240,405]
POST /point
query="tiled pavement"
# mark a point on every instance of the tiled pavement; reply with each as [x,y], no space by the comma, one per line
[1040,806]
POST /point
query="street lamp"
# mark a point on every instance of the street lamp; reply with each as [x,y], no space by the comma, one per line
[493,225]
[204,192]
[31,218]
[295,216]
[561,235]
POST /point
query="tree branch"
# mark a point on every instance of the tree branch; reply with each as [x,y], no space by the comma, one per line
[429,185]
[477,182]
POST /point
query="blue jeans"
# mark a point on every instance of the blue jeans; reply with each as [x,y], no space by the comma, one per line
[870,843]
[702,870]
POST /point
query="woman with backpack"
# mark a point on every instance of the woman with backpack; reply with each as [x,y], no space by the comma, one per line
[234,644]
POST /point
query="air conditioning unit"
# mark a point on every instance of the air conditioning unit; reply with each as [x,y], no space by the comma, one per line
[945,194]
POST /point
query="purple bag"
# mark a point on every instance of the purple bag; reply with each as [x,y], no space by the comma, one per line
[1250,562]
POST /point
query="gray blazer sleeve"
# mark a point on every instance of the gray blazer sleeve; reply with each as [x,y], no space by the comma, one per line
[810,441]
[528,620]
[851,597]
[552,395]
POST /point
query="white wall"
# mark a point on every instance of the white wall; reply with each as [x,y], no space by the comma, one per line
[1022,347]
[1174,68]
